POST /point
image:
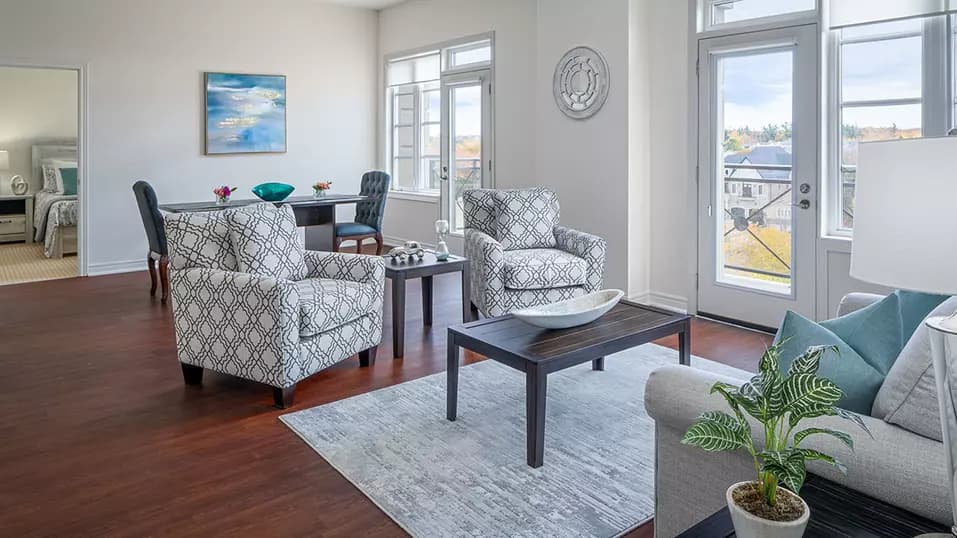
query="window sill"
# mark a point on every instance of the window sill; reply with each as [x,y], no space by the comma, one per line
[414,196]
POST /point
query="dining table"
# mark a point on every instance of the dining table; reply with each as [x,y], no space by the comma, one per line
[316,215]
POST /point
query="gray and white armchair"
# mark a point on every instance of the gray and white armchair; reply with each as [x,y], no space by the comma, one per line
[250,302]
[521,256]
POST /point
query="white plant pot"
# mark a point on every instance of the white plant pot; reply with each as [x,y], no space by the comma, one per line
[748,525]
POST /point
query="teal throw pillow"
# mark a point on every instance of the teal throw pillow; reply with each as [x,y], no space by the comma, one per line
[874,332]
[68,175]
[915,307]
[859,380]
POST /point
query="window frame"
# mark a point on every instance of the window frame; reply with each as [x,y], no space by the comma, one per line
[936,101]
[706,22]
[444,51]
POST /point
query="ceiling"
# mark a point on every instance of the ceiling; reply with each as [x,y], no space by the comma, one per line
[371,4]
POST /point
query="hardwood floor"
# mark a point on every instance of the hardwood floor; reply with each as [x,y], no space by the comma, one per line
[100,436]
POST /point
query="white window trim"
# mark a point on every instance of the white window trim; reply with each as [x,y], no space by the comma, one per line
[443,50]
[706,27]
[937,106]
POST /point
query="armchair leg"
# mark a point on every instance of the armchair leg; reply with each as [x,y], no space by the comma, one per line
[367,357]
[192,374]
[284,398]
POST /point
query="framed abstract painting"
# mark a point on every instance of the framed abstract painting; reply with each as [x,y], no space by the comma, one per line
[245,113]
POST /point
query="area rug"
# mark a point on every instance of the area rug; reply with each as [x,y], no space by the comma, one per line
[469,478]
[25,262]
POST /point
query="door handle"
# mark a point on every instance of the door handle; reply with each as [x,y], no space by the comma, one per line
[803,204]
[445,173]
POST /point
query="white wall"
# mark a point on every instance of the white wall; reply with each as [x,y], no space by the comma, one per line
[146,61]
[35,105]
[420,23]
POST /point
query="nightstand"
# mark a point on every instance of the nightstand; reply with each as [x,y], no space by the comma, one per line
[16,218]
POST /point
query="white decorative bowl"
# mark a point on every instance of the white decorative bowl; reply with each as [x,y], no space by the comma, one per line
[571,312]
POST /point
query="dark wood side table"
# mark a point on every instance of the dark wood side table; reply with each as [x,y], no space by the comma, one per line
[835,511]
[539,352]
[425,269]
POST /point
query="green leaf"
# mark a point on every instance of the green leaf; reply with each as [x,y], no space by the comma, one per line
[728,391]
[855,418]
[805,392]
[814,455]
[770,361]
[787,466]
[751,398]
[713,437]
[841,436]
[810,361]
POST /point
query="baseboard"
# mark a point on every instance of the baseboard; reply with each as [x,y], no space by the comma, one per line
[399,241]
[663,300]
[111,268]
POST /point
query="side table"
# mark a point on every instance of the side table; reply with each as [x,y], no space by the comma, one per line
[425,269]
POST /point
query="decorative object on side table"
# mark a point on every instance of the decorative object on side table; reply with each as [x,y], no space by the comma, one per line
[245,113]
[409,252]
[441,249]
[320,188]
[770,507]
[18,185]
[904,237]
[571,312]
[273,192]
[223,193]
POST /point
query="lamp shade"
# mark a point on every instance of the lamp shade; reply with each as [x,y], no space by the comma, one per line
[4,160]
[905,231]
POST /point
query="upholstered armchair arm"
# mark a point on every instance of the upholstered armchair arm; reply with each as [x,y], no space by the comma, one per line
[339,266]
[587,246]
[487,257]
[236,323]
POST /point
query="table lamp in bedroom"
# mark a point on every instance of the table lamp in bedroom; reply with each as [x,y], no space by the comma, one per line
[905,236]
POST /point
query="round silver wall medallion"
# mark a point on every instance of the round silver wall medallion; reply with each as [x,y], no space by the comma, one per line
[581,82]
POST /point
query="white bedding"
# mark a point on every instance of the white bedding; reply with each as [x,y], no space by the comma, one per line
[51,213]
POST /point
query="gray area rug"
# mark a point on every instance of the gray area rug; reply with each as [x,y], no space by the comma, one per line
[469,477]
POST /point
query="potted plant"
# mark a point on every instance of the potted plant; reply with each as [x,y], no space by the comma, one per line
[223,193]
[319,188]
[770,506]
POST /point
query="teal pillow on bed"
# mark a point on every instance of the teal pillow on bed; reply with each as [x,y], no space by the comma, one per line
[859,380]
[68,176]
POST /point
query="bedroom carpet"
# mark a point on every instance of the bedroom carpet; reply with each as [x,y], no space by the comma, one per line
[25,262]
[469,478]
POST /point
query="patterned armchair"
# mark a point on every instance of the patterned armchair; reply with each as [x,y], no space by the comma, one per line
[520,256]
[250,302]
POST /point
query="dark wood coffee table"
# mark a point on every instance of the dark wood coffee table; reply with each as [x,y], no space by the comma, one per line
[539,352]
[425,269]
[835,511]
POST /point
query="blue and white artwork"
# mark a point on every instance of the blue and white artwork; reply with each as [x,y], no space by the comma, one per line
[245,113]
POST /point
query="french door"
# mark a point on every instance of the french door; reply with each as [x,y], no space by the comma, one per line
[758,174]
[466,142]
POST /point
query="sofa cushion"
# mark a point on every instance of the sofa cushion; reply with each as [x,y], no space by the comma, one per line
[859,380]
[200,240]
[266,241]
[908,397]
[874,332]
[543,268]
[526,218]
[915,307]
[325,304]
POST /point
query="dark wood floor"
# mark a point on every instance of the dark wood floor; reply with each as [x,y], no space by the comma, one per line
[100,436]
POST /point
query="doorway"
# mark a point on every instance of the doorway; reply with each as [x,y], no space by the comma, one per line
[39,173]
[758,174]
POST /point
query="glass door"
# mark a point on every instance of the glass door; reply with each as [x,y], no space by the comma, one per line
[466,141]
[758,170]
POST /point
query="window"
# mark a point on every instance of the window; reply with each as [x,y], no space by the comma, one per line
[414,111]
[720,12]
[889,87]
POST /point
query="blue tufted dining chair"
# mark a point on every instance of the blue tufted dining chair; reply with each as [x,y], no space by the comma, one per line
[368,222]
[155,235]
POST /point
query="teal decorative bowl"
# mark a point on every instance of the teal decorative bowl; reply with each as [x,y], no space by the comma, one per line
[273,192]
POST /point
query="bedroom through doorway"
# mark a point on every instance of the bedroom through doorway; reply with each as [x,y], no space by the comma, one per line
[39,187]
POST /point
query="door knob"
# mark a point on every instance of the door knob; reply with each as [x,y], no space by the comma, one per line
[445,173]
[804,204]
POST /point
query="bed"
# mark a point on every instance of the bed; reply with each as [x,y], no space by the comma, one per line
[54,213]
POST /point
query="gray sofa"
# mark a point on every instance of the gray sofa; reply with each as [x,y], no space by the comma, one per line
[896,466]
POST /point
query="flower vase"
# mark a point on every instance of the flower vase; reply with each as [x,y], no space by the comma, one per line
[222,200]
[317,193]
